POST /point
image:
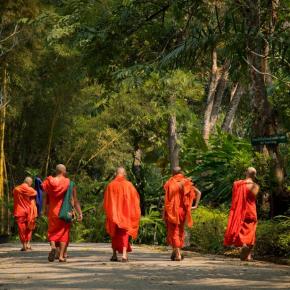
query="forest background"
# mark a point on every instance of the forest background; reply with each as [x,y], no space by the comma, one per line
[148,84]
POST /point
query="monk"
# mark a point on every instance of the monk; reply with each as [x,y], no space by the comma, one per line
[242,223]
[122,208]
[25,211]
[58,229]
[179,196]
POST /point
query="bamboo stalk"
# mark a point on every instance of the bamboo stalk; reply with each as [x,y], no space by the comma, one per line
[2,156]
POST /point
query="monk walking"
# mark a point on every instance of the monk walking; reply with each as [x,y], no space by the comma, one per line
[179,196]
[122,208]
[59,229]
[25,211]
[242,223]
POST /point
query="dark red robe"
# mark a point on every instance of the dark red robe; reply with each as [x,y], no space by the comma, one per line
[242,222]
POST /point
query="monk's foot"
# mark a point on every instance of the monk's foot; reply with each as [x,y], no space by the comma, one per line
[62,260]
[178,259]
[51,255]
[125,260]
[114,259]
[23,249]
[245,252]
[172,258]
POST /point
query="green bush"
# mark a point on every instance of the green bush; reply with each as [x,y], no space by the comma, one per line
[273,237]
[207,232]
[152,228]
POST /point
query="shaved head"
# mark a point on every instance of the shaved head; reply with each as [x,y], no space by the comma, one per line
[176,170]
[121,171]
[28,180]
[60,169]
[251,172]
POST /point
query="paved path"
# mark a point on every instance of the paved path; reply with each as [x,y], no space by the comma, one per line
[148,269]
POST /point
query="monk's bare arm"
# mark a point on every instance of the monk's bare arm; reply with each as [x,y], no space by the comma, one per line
[255,189]
[198,196]
[77,205]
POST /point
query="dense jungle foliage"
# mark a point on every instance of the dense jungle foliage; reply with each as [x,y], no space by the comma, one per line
[148,85]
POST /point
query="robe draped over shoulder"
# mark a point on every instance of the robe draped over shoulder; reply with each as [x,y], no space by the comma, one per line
[179,196]
[122,207]
[242,220]
[56,187]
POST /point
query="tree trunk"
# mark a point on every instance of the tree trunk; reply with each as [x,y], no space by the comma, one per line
[172,142]
[137,169]
[265,121]
[236,93]
[219,94]
[50,137]
[213,83]
[216,89]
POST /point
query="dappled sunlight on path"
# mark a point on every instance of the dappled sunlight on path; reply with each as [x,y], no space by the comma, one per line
[89,268]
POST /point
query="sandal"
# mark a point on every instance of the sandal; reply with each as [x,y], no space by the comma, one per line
[125,260]
[173,255]
[51,255]
[114,259]
[62,260]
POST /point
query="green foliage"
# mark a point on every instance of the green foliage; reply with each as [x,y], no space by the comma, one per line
[207,233]
[273,237]
[89,81]
[215,168]
[152,228]
[40,234]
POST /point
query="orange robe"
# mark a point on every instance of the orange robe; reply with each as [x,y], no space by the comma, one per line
[58,229]
[122,208]
[25,210]
[179,196]
[242,221]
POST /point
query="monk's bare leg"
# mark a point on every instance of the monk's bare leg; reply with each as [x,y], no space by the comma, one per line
[173,254]
[65,255]
[28,245]
[52,253]
[178,255]
[124,256]
[249,257]
[114,256]
[24,247]
[62,249]
[245,253]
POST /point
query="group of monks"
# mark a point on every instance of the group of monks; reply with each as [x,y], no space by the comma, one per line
[122,209]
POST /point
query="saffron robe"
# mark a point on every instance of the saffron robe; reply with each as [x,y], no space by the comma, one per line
[122,208]
[58,229]
[25,211]
[242,222]
[179,196]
